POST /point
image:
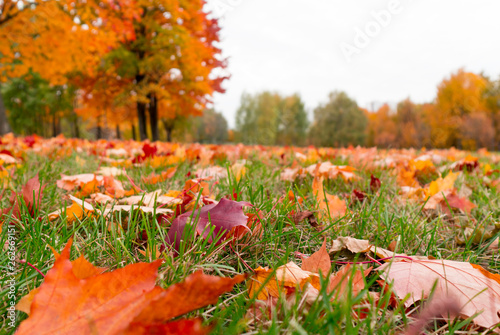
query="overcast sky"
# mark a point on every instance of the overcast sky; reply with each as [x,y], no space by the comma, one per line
[375,50]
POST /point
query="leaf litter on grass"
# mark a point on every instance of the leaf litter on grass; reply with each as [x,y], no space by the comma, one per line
[244,209]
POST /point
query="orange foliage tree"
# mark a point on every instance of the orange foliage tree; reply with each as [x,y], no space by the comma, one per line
[381,128]
[166,67]
[458,97]
[59,38]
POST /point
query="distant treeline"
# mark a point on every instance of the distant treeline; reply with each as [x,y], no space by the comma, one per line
[465,114]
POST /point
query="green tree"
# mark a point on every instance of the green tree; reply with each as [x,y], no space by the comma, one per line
[269,118]
[293,123]
[339,122]
[35,106]
[211,127]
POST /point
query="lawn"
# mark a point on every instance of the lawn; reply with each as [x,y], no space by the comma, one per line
[434,204]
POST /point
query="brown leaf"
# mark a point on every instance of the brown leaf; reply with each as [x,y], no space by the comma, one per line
[311,218]
[349,243]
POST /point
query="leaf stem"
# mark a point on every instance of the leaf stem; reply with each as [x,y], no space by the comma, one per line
[23,261]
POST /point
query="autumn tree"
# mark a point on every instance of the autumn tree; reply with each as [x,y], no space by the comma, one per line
[411,131]
[382,128]
[492,100]
[167,66]
[58,38]
[458,96]
[339,122]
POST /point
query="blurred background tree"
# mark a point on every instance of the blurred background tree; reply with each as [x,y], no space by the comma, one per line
[35,106]
[339,122]
[292,121]
[211,128]
[271,119]
[458,96]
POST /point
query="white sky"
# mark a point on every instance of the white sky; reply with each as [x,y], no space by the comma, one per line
[295,46]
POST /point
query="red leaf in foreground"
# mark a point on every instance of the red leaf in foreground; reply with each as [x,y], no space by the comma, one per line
[223,216]
[375,184]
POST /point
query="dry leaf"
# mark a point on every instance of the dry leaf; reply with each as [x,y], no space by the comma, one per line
[329,205]
[354,245]
[267,282]
[319,261]
[477,290]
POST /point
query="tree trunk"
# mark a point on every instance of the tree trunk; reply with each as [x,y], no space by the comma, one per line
[54,125]
[169,127]
[134,132]
[118,133]
[99,128]
[4,122]
[141,115]
[153,117]
[141,111]
[76,128]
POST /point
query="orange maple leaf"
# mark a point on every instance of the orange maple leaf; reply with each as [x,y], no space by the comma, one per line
[124,301]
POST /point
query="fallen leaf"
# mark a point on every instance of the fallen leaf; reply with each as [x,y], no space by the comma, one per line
[375,184]
[223,216]
[318,262]
[477,290]
[164,175]
[69,183]
[196,291]
[77,211]
[31,195]
[81,268]
[111,171]
[443,184]
[215,172]
[329,205]
[149,199]
[347,279]
[349,243]
[267,282]
[123,301]
[298,217]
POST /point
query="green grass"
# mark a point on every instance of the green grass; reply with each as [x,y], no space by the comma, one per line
[381,218]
